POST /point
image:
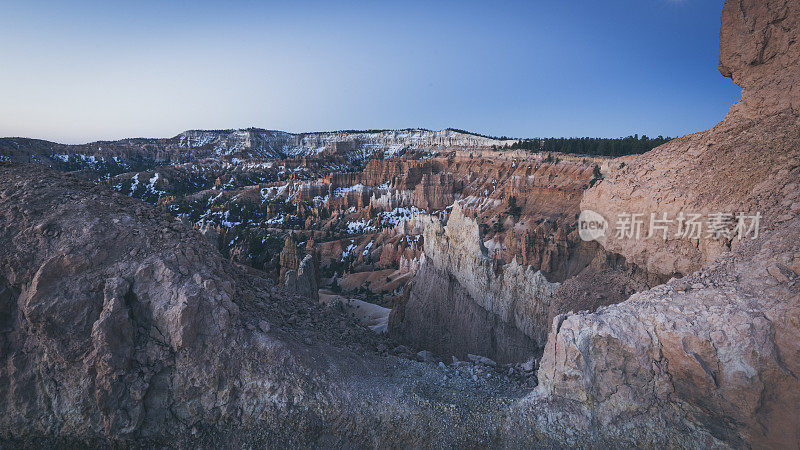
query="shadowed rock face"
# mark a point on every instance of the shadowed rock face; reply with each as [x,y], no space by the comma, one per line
[442,316]
[463,302]
[721,345]
[120,325]
[304,280]
[110,313]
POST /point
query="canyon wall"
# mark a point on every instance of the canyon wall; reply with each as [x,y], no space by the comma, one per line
[463,302]
[743,164]
[719,347]
[442,316]
[353,146]
[120,325]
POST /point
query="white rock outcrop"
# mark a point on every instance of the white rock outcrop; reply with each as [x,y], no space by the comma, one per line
[462,302]
[518,295]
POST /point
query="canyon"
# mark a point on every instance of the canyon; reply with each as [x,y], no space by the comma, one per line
[409,287]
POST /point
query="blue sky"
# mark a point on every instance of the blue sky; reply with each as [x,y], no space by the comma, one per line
[82,71]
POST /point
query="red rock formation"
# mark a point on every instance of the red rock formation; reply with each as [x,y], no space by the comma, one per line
[434,191]
[289,258]
[338,179]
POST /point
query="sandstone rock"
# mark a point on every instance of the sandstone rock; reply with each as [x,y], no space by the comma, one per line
[461,302]
[305,281]
[757,50]
[106,336]
[743,164]
[289,257]
[777,273]
[722,356]
[608,280]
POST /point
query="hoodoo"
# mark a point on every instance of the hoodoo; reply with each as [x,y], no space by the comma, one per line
[233,288]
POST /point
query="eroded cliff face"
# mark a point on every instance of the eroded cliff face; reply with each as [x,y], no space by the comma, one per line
[721,345]
[746,163]
[718,348]
[440,315]
[758,50]
[120,325]
[109,326]
[251,143]
[464,302]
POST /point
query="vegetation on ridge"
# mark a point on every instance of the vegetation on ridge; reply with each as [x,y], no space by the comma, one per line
[631,145]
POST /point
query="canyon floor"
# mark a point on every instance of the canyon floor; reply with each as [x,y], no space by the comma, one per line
[409,288]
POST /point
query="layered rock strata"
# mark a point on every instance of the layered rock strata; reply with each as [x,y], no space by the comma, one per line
[248,143]
[717,349]
[121,326]
[462,302]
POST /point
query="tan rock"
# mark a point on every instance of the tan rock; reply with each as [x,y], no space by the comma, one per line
[515,299]
[724,355]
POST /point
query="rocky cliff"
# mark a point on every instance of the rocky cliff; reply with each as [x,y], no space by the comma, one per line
[463,302]
[719,348]
[305,280]
[251,143]
[746,163]
[121,326]
[121,316]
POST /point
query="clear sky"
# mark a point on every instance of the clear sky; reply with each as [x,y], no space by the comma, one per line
[81,71]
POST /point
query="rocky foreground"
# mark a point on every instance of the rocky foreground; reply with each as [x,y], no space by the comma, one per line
[719,347]
[121,325]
